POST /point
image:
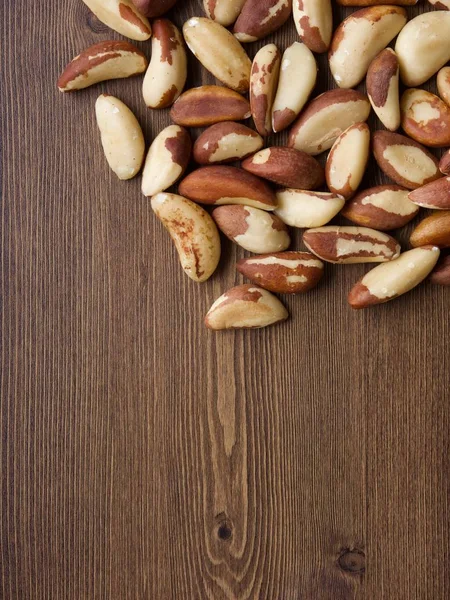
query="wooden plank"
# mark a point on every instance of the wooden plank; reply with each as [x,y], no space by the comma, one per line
[145,457]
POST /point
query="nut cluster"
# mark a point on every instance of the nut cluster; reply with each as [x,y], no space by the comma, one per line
[278,187]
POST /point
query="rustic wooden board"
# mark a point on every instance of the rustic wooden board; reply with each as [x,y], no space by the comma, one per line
[145,457]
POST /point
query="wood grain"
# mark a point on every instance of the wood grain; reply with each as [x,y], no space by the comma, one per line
[146,457]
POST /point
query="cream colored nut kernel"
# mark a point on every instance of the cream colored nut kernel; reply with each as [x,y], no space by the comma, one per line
[245,306]
[122,16]
[193,231]
[166,160]
[425,118]
[422,47]
[443,84]
[390,280]
[326,117]
[347,160]
[358,40]
[348,245]
[224,12]
[382,88]
[226,142]
[219,52]
[314,23]
[101,62]
[298,75]
[122,137]
[253,229]
[300,208]
[166,74]
[263,85]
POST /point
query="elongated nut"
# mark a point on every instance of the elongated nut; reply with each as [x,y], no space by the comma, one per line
[348,245]
[245,307]
[314,23]
[390,280]
[422,47]
[122,137]
[358,40]
[101,62]
[122,16]
[443,84]
[347,160]
[300,208]
[444,163]
[227,185]
[287,167]
[166,74]
[441,272]
[260,18]
[283,272]
[263,85]
[325,118]
[298,75]
[193,231]
[383,207]
[166,161]
[382,88]
[219,52]
[434,230]
[253,229]
[224,12]
[226,142]
[425,118]
[209,104]
[433,195]
[405,161]
[154,8]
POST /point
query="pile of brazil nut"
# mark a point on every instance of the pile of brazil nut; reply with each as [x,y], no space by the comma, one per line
[277,187]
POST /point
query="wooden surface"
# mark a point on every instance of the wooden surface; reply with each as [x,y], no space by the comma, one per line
[144,457]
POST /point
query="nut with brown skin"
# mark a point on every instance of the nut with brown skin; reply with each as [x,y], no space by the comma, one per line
[405,161]
[166,160]
[348,245]
[443,84]
[263,85]
[283,272]
[425,118]
[245,307]
[122,137]
[227,185]
[287,167]
[298,75]
[314,23]
[422,47]
[384,207]
[154,8]
[358,40]
[444,163]
[107,60]
[260,18]
[219,52]
[209,104]
[382,88]
[390,280]
[325,118]
[433,195]
[300,208]
[166,74]
[122,16]
[441,272]
[253,229]
[440,4]
[226,142]
[347,160]
[193,231]
[224,12]
[434,230]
